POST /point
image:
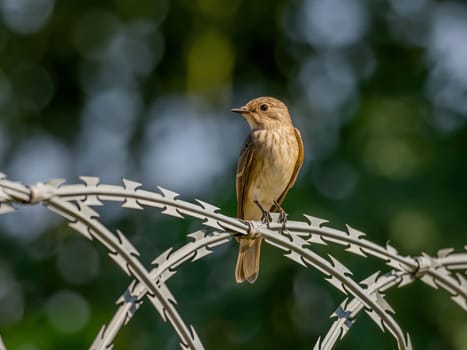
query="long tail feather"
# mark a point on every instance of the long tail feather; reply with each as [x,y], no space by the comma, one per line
[248,260]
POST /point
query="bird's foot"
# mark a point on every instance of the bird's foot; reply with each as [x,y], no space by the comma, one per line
[265,217]
[282,215]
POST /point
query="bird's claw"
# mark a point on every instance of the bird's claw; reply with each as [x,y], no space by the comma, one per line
[282,216]
[265,217]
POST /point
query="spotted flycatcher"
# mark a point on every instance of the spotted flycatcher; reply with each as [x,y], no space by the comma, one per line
[269,162]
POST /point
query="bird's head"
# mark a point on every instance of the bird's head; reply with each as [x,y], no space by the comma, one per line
[265,113]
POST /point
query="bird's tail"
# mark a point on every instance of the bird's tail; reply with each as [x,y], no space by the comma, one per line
[248,260]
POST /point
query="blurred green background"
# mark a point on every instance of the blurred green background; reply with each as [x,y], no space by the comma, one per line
[142,89]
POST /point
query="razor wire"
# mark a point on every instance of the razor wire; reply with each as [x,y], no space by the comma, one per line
[77,203]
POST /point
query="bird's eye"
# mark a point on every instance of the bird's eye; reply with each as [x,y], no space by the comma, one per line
[263,107]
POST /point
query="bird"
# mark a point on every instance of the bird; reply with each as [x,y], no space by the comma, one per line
[268,165]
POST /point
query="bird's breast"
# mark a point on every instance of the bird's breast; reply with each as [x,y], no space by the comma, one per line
[275,160]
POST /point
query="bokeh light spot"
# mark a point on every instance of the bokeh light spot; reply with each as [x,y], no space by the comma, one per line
[333,23]
[26,16]
[414,231]
[39,159]
[209,62]
[67,311]
[392,157]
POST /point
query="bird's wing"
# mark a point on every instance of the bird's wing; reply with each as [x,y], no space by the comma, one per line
[298,165]
[243,173]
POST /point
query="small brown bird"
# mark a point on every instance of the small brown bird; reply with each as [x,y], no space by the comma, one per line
[269,162]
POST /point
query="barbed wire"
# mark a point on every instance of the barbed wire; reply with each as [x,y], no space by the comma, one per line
[75,203]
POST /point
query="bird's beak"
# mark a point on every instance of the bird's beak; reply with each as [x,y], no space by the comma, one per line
[240,110]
